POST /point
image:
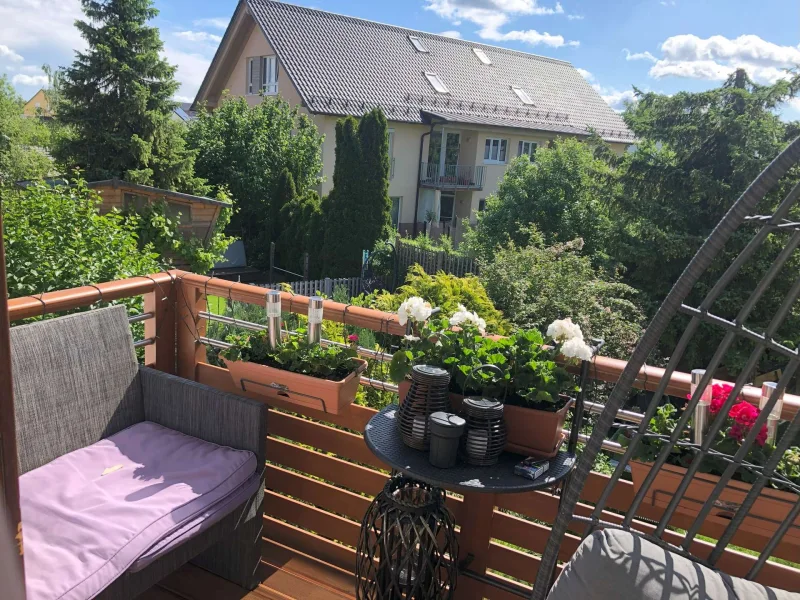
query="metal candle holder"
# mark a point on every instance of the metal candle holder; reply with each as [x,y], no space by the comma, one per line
[315,320]
[485,430]
[428,394]
[274,317]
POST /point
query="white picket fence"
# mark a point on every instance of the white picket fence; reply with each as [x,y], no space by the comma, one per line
[325,286]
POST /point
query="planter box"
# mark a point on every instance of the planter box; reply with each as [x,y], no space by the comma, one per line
[321,394]
[767,513]
[530,432]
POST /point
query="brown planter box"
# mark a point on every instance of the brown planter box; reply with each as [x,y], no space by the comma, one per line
[321,394]
[769,510]
[530,432]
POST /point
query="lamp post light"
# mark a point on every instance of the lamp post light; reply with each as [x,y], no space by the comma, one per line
[314,320]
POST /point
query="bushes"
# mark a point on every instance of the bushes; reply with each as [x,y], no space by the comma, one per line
[443,291]
[536,284]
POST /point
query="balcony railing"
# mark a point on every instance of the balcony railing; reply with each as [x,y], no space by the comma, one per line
[321,476]
[452,177]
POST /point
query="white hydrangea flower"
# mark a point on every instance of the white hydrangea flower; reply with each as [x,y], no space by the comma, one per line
[462,315]
[563,330]
[576,348]
[410,338]
[416,309]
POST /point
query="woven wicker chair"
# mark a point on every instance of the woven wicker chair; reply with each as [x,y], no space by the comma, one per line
[76,382]
[635,552]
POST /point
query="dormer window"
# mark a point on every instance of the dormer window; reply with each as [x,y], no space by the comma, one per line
[417,43]
[436,83]
[482,56]
[522,95]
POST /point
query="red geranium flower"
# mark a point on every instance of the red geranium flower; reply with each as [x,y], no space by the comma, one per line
[744,413]
[352,337]
[761,439]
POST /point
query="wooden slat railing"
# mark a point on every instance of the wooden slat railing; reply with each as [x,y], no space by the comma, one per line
[321,478]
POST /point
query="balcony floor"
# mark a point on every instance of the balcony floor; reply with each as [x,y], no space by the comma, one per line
[285,574]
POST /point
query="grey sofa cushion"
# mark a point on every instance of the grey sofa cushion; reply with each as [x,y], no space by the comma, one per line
[75,383]
[612,564]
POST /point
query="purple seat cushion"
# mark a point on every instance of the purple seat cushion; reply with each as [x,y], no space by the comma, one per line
[90,514]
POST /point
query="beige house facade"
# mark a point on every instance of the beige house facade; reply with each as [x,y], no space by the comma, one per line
[448,149]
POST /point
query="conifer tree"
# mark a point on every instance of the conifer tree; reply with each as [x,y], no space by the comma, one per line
[116,98]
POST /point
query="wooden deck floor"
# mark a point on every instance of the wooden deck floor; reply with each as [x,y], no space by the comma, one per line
[285,574]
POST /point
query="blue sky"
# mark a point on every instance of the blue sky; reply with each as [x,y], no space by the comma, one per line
[660,45]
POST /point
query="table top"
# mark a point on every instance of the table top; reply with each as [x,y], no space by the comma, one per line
[384,440]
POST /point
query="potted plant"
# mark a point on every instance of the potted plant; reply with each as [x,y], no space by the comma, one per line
[771,507]
[531,383]
[324,378]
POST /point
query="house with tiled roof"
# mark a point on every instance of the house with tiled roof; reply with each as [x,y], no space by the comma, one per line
[459,111]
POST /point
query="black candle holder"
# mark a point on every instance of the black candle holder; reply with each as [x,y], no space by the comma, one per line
[407,548]
[428,394]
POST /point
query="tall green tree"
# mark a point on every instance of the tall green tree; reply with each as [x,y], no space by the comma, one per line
[116,98]
[247,149]
[357,212]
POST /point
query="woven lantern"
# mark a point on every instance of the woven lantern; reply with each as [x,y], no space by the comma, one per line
[428,394]
[485,435]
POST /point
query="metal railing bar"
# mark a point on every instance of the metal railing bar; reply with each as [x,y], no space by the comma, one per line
[766,552]
[624,415]
[142,343]
[140,317]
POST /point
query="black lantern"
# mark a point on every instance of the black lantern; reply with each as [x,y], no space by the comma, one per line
[428,394]
[485,436]
[407,548]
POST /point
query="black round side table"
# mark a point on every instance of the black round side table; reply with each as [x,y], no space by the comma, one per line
[383,439]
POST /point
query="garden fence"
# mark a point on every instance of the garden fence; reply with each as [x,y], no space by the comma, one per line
[326,286]
[432,261]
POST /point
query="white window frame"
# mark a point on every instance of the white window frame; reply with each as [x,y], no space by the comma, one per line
[436,83]
[417,43]
[399,210]
[391,153]
[269,66]
[522,95]
[482,56]
[493,143]
[250,62]
[532,146]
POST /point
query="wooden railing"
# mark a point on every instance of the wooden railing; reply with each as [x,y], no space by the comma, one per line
[321,477]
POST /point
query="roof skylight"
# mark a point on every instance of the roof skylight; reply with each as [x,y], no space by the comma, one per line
[417,43]
[482,56]
[437,83]
[522,95]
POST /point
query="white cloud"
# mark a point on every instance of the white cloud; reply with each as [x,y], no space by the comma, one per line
[451,33]
[585,74]
[45,25]
[716,57]
[35,80]
[8,53]
[199,36]
[216,22]
[614,98]
[491,15]
[639,55]
[192,69]
[575,17]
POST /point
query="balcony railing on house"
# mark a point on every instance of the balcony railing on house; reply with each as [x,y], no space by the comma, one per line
[452,177]
[321,476]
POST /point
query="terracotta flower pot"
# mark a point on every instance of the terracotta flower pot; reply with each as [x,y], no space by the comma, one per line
[770,508]
[529,431]
[321,394]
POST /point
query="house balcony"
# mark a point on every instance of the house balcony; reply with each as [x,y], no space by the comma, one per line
[452,177]
[321,476]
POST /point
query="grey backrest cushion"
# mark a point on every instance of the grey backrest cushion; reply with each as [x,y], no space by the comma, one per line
[75,383]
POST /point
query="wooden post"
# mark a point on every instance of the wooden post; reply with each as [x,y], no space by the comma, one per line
[162,302]
[473,544]
[9,475]
[189,327]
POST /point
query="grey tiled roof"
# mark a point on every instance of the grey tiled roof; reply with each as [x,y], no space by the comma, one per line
[343,65]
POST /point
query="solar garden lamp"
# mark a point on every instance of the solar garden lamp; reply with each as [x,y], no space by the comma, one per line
[274,317]
[767,389]
[702,411]
[314,320]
